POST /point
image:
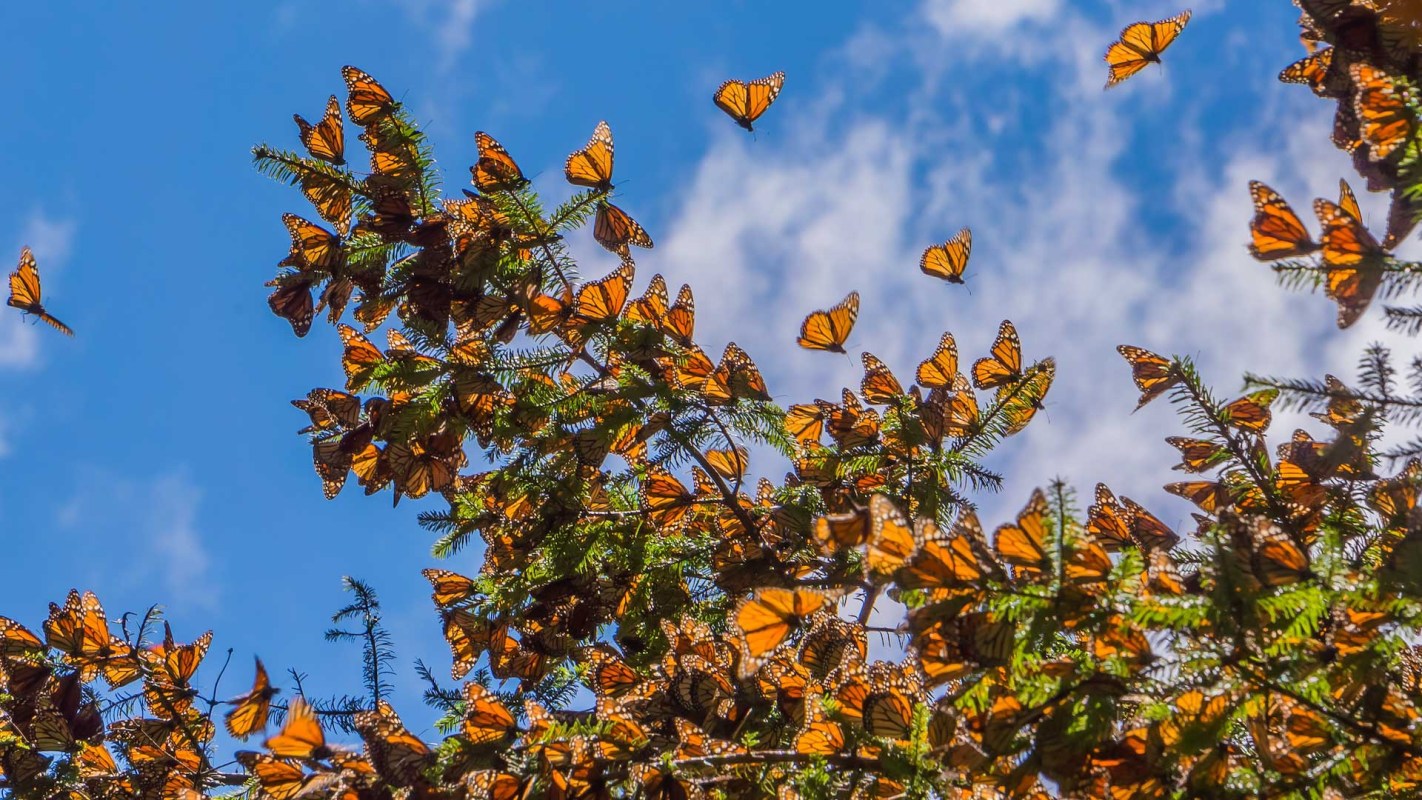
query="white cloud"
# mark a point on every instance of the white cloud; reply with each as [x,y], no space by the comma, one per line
[451,22]
[1063,246]
[150,524]
[178,551]
[986,17]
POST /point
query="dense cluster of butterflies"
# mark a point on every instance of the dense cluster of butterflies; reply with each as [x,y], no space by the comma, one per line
[722,624]
[1364,56]
[25,292]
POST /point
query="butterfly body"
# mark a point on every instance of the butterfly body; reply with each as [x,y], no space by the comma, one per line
[25,293]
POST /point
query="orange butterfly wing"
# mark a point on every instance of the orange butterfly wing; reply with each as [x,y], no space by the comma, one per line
[1352,260]
[495,171]
[1004,366]
[252,709]
[745,102]
[25,292]
[1140,44]
[948,260]
[592,165]
[1381,106]
[1153,374]
[325,140]
[301,736]
[827,330]
[939,370]
[614,229]
[1276,231]
[367,101]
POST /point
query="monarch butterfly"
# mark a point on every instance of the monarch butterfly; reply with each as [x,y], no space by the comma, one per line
[1140,44]
[367,101]
[879,386]
[951,565]
[592,165]
[939,370]
[745,102]
[666,499]
[694,743]
[1352,259]
[495,171]
[1210,496]
[1024,544]
[609,675]
[253,707]
[301,736]
[1025,397]
[602,300]
[1402,216]
[394,158]
[325,140]
[819,735]
[891,537]
[614,229]
[397,755]
[281,779]
[80,631]
[730,464]
[1381,105]
[835,532]
[172,667]
[1153,375]
[1276,231]
[1349,201]
[680,321]
[1004,365]
[1251,412]
[1273,558]
[948,260]
[449,587]
[1312,71]
[827,330]
[16,639]
[359,359]
[25,292]
[736,377]
[421,467]
[889,714]
[768,617]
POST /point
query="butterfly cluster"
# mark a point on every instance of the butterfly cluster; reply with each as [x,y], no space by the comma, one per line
[635,608]
[1364,58]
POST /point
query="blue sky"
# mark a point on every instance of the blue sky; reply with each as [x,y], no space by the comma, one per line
[153,458]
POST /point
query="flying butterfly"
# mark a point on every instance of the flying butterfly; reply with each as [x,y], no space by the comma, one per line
[948,260]
[745,102]
[326,139]
[1352,259]
[301,737]
[1141,44]
[1004,365]
[614,229]
[1276,231]
[250,714]
[592,165]
[827,330]
[367,101]
[25,292]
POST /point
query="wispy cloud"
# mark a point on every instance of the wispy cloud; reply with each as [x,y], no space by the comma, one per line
[451,22]
[994,17]
[149,524]
[1066,245]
